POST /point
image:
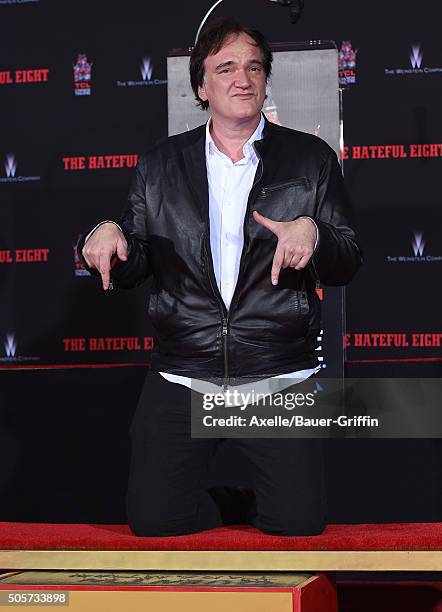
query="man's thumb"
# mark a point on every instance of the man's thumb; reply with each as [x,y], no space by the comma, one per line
[121,250]
[268,223]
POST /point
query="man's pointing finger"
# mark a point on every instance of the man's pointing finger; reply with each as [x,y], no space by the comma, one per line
[104,269]
[278,260]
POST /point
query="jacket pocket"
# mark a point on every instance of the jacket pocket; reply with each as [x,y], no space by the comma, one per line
[299,303]
[301,181]
[285,319]
[163,313]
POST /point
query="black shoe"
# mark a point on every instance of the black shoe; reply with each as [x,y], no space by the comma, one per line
[237,505]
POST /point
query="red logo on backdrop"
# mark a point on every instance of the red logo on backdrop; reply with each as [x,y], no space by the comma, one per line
[32,75]
[108,344]
[24,256]
[392,151]
[79,267]
[393,340]
[82,76]
[100,162]
[347,64]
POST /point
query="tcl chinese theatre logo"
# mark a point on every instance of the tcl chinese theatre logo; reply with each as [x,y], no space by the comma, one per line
[82,76]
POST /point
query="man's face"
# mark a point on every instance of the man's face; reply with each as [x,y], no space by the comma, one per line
[234,80]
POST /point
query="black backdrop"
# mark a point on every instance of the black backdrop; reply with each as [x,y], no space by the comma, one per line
[60,428]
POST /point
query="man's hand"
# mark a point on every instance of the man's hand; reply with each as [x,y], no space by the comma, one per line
[104,247]
[296,241]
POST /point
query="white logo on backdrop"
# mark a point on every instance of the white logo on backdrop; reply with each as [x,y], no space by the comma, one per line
[418,244]
[146,69]
[10,165]
[416,56]
[10,345]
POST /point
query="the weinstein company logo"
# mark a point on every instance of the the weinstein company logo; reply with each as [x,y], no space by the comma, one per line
[146,70]
[416,56]
[10,345]
[418,247]
[10,167]
[418,244]
[10,351]
[82,76]
[347,64]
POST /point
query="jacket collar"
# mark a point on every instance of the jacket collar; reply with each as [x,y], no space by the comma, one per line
[195,168]
[194,155]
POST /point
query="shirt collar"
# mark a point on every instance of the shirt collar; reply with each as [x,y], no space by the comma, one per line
[247,147]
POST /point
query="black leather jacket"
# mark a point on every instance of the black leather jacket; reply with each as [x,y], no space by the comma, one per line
[268,329]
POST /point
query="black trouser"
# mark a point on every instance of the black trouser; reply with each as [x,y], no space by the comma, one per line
[168,477]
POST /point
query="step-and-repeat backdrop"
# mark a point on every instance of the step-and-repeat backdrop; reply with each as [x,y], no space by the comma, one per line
[83,91]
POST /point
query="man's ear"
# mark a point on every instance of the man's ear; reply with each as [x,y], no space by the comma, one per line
[202,93]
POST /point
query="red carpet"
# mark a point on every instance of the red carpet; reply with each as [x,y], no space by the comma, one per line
[389,536]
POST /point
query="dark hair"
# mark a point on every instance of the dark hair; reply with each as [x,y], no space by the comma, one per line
[212,38]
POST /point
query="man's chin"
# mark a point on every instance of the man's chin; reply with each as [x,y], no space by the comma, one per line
[246,112]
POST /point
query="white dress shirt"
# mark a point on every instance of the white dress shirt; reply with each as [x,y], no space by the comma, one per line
[229,187]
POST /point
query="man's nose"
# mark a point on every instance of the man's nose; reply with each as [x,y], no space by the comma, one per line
[242,78]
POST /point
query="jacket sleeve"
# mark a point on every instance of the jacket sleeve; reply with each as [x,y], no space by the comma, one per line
[337,255]
[136,269]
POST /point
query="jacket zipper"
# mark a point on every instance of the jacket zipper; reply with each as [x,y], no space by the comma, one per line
[225,335]
[270,188]
[224,318]
[222,307]
[317,279]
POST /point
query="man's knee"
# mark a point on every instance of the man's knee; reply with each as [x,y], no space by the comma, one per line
[293,528]
[151,526]
[303,529]
[150,529]
[293,523]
